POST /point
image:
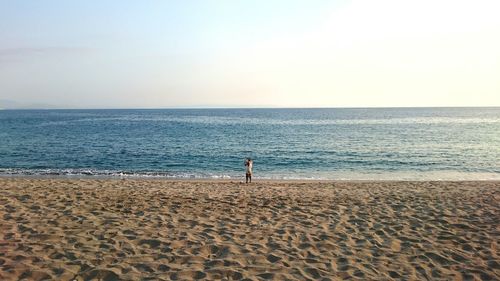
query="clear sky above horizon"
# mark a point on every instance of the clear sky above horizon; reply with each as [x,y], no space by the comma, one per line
[152,54]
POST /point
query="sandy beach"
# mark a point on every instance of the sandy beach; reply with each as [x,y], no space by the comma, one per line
[86,229]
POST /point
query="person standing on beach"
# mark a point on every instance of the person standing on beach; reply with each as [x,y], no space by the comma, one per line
[249,166]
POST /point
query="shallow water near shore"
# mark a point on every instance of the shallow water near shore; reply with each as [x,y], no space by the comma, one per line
[341,144]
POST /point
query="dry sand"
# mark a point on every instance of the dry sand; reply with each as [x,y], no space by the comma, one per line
[58,229]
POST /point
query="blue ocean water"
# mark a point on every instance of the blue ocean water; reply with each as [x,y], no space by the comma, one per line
[390,143]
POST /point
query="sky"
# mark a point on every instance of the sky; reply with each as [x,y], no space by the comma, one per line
[162,54]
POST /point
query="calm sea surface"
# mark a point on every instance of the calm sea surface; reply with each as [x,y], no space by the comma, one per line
[395,143]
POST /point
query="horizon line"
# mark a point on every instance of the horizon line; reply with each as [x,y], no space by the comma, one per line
[252,107]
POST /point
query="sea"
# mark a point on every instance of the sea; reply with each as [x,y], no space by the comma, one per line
[304,144]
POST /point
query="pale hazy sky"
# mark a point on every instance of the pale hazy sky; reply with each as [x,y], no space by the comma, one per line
[100,54]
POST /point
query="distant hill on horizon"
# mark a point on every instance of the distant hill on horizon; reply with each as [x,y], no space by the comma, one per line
[12,104]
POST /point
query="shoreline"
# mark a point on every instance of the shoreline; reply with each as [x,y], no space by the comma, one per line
[238,179]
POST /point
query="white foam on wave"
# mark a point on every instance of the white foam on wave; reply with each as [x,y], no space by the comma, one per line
[337,175]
